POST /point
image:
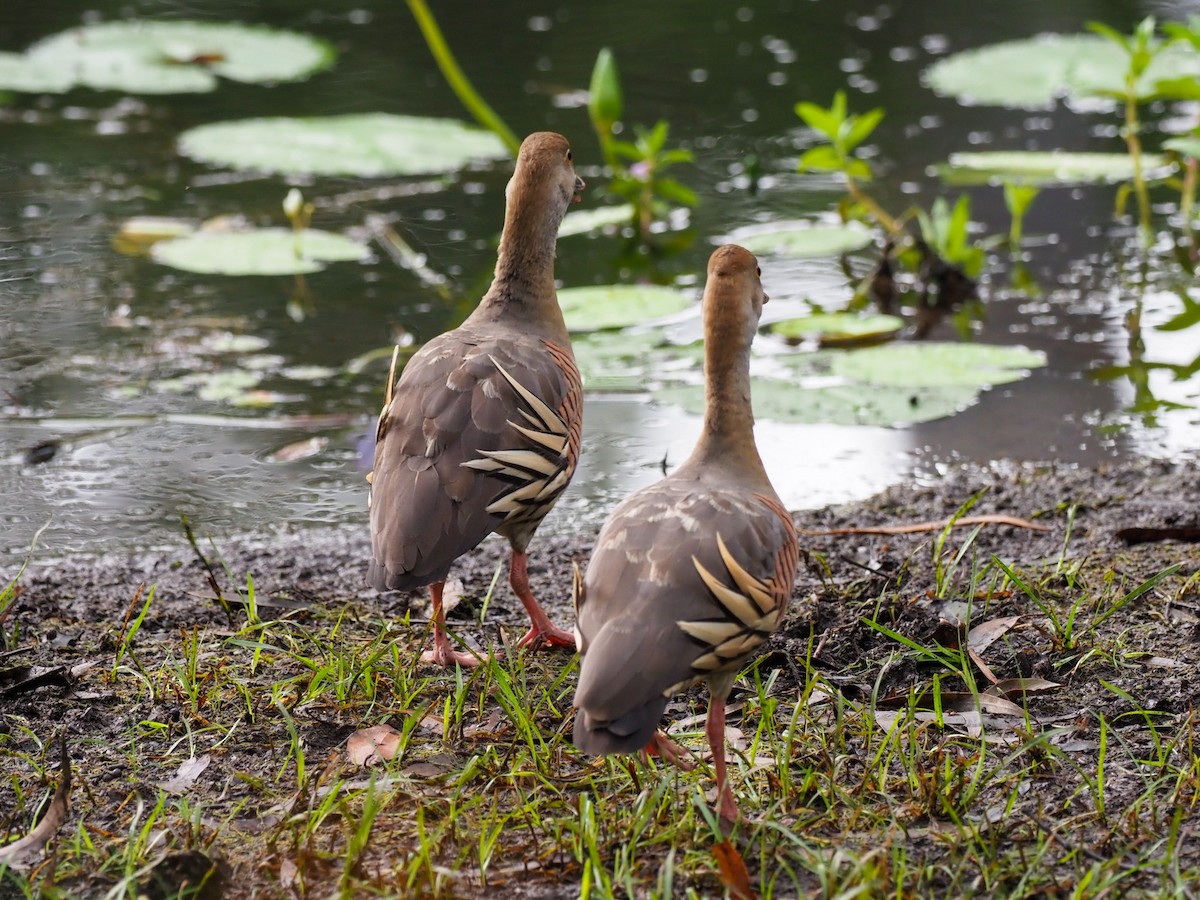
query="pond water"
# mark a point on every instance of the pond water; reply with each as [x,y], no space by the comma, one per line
[98,350]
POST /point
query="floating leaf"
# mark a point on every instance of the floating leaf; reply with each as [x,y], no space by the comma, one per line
[138,234]
[265,251]
[619,305]
[616,360]
[936,364]
[840,328]
[803,240]
[368,145]
[145,57]
[585,220]
[20,73]
[1036,72]
[894,384]
[844,404]
[1047,168]
[1188,146]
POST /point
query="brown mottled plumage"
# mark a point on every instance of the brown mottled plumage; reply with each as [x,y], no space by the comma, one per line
[692,574]
[481,433]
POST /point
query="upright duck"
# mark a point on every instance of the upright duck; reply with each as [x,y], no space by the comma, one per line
[692,574]
[481,433]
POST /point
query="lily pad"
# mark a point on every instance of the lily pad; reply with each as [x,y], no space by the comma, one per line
[1047,168]
[1036,72]
[804,240]
[619,305]
[585,220]
[267,251]
[1188,146]
[20,73]
[617,360]
[840,328]
[146,57]
[889,385]
[935,364]
[843,404]
[366,145]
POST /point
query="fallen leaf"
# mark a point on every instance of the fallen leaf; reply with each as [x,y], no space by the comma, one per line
[299,450]
[22,679]
[985,634]
[188,772]
[368,746]
[1022,687]
[55,815]
[734,874]
[938,525]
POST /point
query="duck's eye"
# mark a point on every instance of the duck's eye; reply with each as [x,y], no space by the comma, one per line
[568,156]
[758,271]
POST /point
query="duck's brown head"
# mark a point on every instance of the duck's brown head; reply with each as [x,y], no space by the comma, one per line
[544,163]
[733,296]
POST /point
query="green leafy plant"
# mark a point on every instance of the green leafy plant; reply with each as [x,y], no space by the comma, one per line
[1141,48]
[639,166]
[944,257]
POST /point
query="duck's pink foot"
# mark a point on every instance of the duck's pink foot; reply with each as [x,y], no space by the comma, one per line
[446,656]
[676,754]
[545,634]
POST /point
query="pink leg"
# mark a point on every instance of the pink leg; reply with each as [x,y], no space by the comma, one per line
[542,631]
[675,754]
[714,730]
[442,653]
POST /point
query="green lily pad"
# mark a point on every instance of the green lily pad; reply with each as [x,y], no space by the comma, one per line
[1188,146]
[145,57]
[935,364]
[584,220]
[803,240]
[889,385]
[266,251]
[366,145]
[619,305]
[20,73]
[840,328]
[1047,168]
[618,360]
[846,404]
[1036,72]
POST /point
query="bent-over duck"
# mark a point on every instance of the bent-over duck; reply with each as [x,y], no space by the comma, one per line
[692,574]
[481,433]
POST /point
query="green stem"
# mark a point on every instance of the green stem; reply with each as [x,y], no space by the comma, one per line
[890,225]
[454,76]
[1134,143]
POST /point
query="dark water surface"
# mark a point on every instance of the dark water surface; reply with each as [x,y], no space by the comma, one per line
[88,336]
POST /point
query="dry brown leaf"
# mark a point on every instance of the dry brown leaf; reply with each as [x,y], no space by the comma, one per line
[985,634]
[984,668]
[733,871]
[1022,687]
[298,450]
[368,746]
[938,525]
[187,774]
[55,815]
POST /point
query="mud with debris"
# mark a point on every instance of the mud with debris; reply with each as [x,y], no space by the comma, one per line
[1129,658]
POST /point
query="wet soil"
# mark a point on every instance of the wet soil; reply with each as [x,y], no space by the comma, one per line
[1129,663]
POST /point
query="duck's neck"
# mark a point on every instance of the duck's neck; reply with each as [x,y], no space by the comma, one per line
[727,440]
[523,284]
